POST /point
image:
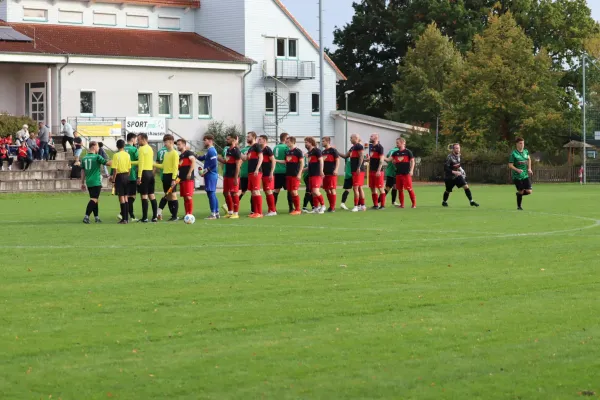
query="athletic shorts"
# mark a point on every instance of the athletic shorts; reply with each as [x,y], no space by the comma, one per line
[210,182]
[358,178]
[280,180]
[315,182]
[292,183]
[244,184]
[348,183]
[330,182]
[230,185]
[186,188]
[390,181]
[254,181]
[94,191]
[404,182]
[522,184]
[132,188]
[167,180]
[459,182]
[122,184]
[268,183]
[376,182]
[147,185]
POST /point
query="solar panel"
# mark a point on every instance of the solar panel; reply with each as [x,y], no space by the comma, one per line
[8,34]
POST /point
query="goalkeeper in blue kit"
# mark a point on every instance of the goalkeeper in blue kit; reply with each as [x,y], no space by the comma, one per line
[210,174]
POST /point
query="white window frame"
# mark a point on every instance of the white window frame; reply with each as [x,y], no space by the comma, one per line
[104,13]
[149,93]
[288,48]
[297,112]
[190,96]
[93,92]
[210,107]
[169,17]
[311,104]
[267,112]
[277,39]
[127,24]
[61,13]
[37,19]
[170,96]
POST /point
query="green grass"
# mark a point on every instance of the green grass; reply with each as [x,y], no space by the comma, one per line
[432,303]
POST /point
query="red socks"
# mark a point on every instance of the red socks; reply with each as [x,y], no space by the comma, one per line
[401,196]
[189,206]
[375,198]
[382,199]
[296,202]
[257,204]
[271,203]
[355,201]
[235,203]
[332,200]
[413,197]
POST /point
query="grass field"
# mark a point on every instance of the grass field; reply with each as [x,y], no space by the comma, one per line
[432,303]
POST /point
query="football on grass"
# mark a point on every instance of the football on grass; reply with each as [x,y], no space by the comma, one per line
[189,219]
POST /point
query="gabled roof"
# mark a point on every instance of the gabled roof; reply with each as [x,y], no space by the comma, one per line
[385,123]
[152,3]
[115,42]
[307,35]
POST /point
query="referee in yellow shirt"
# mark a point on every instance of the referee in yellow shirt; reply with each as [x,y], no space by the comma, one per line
[146,177]
[121,165]
[170,167]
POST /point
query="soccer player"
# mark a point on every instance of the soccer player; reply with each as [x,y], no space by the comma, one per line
[233,164]
[187,165]
[294,163]
[268,180]
[210,175]
[307,192]
[315,173]
[455,176]
[376,175]
[145,178]
[250,141]
[280,170]
[331,163]
[390,178]
[121,167]
[132,187]
[92,179]
[254,157]
[347,183]
[520,164]
[169,168]
[355,154]
[404,161]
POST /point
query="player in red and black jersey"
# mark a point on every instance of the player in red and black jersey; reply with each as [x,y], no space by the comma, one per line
[376,175]
[404,161]
[331,163]
[315,173]
[255,160]
[231,176]
[357,168]
[187,166]
[294,163]
[268,170]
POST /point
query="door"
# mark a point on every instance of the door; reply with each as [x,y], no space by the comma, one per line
[37,101]
[269,65]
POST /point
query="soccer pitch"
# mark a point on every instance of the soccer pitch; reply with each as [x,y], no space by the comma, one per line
[456,303]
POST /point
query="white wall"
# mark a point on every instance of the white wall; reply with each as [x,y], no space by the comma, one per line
[3,9]
[387,136]
[8,88]
[117,90]
[223,22]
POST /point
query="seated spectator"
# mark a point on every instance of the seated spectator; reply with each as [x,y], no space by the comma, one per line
[102,153]
[24,155]
[22,135]
[78,142]
[33,147]
[5,157]
[52,150]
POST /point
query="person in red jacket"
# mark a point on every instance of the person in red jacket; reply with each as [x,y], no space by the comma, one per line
[23,156]
[5,157]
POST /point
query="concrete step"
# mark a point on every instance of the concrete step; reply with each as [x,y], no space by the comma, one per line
[31,175]
[55,185]
[43,165]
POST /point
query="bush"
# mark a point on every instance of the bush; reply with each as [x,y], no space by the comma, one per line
[10,124]
[220,131]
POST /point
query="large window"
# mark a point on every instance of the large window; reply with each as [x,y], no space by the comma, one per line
[287,48]
[316,104]
[269,102]
[292,48]
[87,100]
[35,14]
[204,106]
[293,103]
[280,47]
[144,104]
[165,105]
[185,105]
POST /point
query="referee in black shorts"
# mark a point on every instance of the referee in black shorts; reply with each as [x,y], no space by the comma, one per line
[121,165]
[146,178]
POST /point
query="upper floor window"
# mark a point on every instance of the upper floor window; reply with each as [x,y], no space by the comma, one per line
[70,17]
[35,14]
[107,19]
[316,103]
[169,23]
[87,102]
[144,104]
[292,48]
[287,48]
[138,21]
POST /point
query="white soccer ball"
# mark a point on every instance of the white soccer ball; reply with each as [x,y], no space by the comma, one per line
[189,219]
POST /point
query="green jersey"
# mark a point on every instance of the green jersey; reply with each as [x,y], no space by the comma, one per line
[244,167]
[160,157]
[91,165]
[133,154]
[279,153]
[390,170]
[348,170]
[520,159]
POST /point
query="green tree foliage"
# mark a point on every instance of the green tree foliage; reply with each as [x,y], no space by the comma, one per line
[11,124]
[220,130]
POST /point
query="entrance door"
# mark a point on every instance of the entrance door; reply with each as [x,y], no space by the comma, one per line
[37,101]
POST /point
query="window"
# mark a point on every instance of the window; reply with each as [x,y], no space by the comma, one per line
[269,102]
[185,106]
[137,21]
[164,105]
[169,23]
[105,19]
[35,14]
[316,106]
[87,102]
[292,48]
[70,17]
[204,106]
[293,103]
[280,47]
[144,103]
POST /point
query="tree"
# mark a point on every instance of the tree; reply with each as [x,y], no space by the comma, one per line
[504,90]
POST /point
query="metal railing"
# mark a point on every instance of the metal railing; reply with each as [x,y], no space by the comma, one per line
[289,69]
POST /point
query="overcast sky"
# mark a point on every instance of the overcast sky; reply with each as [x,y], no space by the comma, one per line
[340,12]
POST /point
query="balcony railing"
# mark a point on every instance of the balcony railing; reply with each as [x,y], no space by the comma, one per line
[289,69]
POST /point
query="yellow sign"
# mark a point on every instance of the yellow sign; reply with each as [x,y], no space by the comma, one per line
[99,128]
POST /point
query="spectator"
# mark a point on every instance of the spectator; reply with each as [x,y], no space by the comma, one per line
[102,153]
[5,157]
[67,131]
[24,155]
[23,135]
[44,135]
[34,150]
[78,142]
[52,150]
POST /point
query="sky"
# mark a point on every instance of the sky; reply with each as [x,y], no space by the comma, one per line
[340,12]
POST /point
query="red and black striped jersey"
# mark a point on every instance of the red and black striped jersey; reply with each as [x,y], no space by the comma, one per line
[231,158]
[267,165]
[356,160]
[253,154]
[314,164]
[185,164]
[330,157]
[402,161]
[377,154]
[292,161]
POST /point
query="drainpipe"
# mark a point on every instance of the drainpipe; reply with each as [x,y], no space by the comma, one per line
[59,105]
[244,119]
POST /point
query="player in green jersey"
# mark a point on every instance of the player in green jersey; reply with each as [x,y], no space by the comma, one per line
[390,178]
[91,179]
[132,184]
[347,184]
[279,152]
[520,164]
[250,141]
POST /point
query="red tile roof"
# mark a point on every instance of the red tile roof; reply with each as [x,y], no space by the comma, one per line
[114,42]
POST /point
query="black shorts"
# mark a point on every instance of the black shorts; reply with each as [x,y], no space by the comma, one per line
[459,182]
[522,184]
[279,181]
[390,181]
[122,184]
[244,184]
[94,191]
[131,188]
[167,181]
[147,185]
[348,183]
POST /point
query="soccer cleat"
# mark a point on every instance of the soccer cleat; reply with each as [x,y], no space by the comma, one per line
[330,210]
[444,204]
[120,217]
[307,211]
[228,215]
[400,206]
[304,210]
[155,220]
[355,209]
[134,219]
[296,212]
[86,220]
[256,215]
[173,219]
[375,208]
[396,204]
[98,220]
[363,208]
[272,214]
[10,167]
[474,203]
[224,207]
[143,221]
[122,222]
[234,216]
[381,208]
[519,208]
[414,207]
[212,217]
[343,206]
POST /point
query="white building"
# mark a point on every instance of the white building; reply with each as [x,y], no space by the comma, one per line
[248,63]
